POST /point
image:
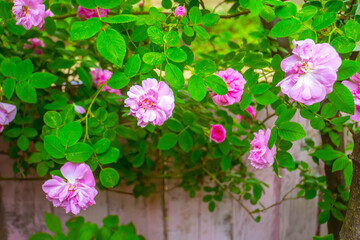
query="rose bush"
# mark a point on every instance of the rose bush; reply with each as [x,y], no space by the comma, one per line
[183,85]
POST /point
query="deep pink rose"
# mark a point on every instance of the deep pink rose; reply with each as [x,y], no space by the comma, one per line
[217,133]
[100,76]
[153,102]
[354,88]
[252,112]
[77,192]
[79,109]
[36,43]
[235,83]
[7,114]
[260,155]
[180,11]
[91,13]
[311,72]
[29,13]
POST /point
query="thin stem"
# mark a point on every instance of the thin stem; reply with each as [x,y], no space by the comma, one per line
[97,9]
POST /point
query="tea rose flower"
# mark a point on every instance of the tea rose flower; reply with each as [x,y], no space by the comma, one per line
[91,13]
[311,72]
[153,102]
[180,11]
[260,155]
[235,83]
[29,13]
[7,114]
[251,111]
[100,77]
[354,88]
[217,133]
[76,192]
[35,44]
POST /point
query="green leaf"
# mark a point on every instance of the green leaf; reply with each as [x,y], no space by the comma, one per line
[139,160]
[155,35]
[53,223]
[50,26]
[23,70]
[123,18]
[30,132]
[352,30]
[225,163]
[328,111]
[266,98]
[85,77]
[267,13]
[202,33]
[255,6]
[327,154]
[118,80]
[307,13]
[8,87]
[186,141]
[317,123]
[14,132]
[348,174]
[84,30]
[291,131]
[273,137]
[5,10]
[108,4]
[324,216]
[285,159]
[111,45]
[326,237]
[15,29]
[89,4]
[334,5]
[109,156]
[259,88]
[102,145]
[171,38]
[42,79]
[343,44]
[347,69]
[167,141]
[167,4]
[174,76]
[210,19]
[216,84]
[285,28]
[174,125]
[80,152]
[41,236]
[111,221]
[323,21]
[287,10]
[339,120]
[53,147]
[340,163]
[26,92]
[23,143]
[195,15]
[342,98]
[197,88]
[132,65]
[109,177]
[8,68]
[52,119]
[176,54]
[154,58]
[205,67]
[337,214]
[70,134]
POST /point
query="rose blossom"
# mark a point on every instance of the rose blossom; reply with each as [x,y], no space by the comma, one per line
[311,72]
[217,133]
[76,192]
[180,11]
[35,43]
[100,77]
[29,13]
[260,155]
[91,13]
[235,83]
[153,102]
[7,114]
[354,88]
[251,111]
[79,109]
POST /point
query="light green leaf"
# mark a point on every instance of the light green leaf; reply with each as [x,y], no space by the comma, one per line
[111,45]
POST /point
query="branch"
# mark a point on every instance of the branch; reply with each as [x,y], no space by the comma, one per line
[202,4]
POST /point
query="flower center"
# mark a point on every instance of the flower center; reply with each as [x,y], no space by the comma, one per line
[302,67]
[148,102]
[26,10]
[72,187]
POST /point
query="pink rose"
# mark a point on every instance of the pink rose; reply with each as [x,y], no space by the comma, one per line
[79,109]
[100,77]
[29,13]
[235,83]
[354,88]
[260,155]
[180,11]
[311,72]
[217,133]
[35,44]
[7,114]
[252,112]
[153,102]
[91,13]
[77,192]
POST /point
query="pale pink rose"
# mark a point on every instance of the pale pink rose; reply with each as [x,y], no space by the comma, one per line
[235,83]
[153,102]
[217,133]
[35,44]
[355,78]
[180,11]
[29,13]
[91,13]
[252,112]
[311,72]
[76,192]
[79,109]
[260,155]
[7,114]
[354,88]
[100,77]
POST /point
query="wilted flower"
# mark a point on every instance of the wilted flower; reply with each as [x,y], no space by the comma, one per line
[100,77]
[180,11]
[235,83]
[91,13]
[311,72]
[76,192]
[79,109]
[35,44]
[7,114]
[354,88]
[29,13]
[217,133]
[153,102]
[251,111]
[260,155]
